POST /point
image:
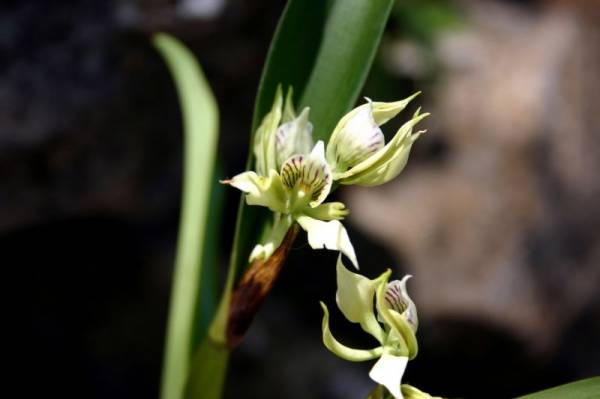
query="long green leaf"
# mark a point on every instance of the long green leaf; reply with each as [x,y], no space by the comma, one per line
[583,389]
[200,125]
[350,42]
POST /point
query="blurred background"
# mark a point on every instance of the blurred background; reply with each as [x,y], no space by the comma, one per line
[496,214]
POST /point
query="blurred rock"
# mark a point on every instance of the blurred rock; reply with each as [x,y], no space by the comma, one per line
[505,228]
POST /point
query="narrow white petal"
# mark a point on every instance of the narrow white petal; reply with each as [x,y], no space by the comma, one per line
[329,235]
[388,371]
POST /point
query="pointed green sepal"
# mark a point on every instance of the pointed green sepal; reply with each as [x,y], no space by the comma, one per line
[341,350]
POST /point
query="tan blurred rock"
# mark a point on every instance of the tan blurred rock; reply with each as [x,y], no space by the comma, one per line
[506,229]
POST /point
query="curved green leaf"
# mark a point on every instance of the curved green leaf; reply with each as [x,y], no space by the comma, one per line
[583,389]
[200,125]
[350,41]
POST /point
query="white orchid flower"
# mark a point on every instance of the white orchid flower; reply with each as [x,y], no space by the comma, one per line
[394,326]
[356,150]
[293,183]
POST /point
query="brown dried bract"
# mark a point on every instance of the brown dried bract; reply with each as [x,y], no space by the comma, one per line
[252,289]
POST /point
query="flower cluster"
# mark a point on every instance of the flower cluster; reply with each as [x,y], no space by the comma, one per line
[393,324]
[293,176]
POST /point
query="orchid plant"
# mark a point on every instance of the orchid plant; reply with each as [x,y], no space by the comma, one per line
[293,181]
[293,177]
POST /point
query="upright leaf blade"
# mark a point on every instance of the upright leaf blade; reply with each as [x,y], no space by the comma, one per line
[583,389]
[200,125]
[350,41]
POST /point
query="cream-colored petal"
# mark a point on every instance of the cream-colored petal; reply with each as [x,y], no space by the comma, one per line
[386,163]
[328,235]
[357,139]
[341,350]
[354,297]
[388,371]
[294,137]
[309,177]
[261,190]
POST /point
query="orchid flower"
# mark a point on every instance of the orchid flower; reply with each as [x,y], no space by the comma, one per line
[393,324]
[356,150]
[293,181]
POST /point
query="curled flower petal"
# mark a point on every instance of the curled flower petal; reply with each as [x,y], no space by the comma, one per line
[388,371]
[396,298]
[386,163]
[294,137]
[354,297]
[330,235]
[309,176]
[402,331]
[341,350]
[355,138]
[261,190]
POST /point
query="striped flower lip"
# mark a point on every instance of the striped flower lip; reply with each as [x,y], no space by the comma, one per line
[396,298]
[308,175]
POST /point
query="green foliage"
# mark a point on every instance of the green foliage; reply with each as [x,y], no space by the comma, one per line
[200,125]
[423,20]
[583,389]
[350,41]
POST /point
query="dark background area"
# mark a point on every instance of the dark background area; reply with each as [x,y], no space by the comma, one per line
[496,214]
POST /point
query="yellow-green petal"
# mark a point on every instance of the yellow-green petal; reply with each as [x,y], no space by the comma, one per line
[261,190]
[341,350]
[265,137]
[384,111]
[354,297]
[328,211]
